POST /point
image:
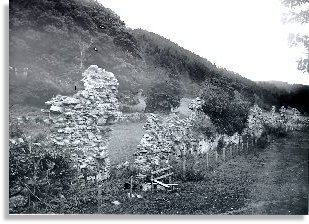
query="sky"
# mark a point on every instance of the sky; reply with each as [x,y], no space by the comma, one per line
[244,36]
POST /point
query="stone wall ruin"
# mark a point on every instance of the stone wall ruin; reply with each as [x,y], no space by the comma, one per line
[79,123]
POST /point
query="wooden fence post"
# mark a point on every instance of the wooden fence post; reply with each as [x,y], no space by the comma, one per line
[247,145]
[223,154]
[170,177]
[99,183]
[233,150]
[184,160]
[216,156]
[151,178]
[99,188]
[29,145]
[207,161]
[131,186]
[61,206]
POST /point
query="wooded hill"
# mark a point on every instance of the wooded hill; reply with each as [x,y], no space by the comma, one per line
[56,40]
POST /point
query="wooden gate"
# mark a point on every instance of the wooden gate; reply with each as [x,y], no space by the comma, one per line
[164,174]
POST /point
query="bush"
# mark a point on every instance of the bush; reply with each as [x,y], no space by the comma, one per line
[277,131]
[15,130]
[39,120]
[194,176]
[220,146]
[39,175]
[262,142]
[36,175]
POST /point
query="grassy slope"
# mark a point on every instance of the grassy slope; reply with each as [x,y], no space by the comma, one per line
[281,185]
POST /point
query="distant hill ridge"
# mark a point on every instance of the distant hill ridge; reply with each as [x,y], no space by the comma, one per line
[58,39]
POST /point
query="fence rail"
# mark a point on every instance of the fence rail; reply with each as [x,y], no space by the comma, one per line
[165,173]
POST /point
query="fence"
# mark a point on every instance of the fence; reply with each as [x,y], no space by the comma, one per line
[230,151]
[162,174]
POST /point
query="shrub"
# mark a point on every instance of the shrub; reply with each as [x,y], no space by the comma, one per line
[15,130]
[192,175]
[36,175]
[262,142]
[39,120]
[277,131]
[220,146]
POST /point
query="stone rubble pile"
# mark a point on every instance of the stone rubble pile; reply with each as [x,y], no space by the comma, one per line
[80,122]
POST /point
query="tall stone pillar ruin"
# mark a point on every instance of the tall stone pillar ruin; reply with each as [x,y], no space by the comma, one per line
[80,123]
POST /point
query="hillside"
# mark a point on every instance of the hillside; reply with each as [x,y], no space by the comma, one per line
[55,41]
[293,95]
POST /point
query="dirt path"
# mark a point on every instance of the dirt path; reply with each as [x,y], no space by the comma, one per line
[281,182]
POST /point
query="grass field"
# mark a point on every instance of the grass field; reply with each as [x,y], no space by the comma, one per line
[281,178]
[124,139]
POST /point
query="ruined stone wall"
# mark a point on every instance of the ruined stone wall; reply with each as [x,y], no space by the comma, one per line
[80,122]
[167,137]
[151,154]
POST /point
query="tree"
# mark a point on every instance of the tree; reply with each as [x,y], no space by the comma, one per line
[85,42]
[83,47]
[227,110]
[299,13]
[163,97]
[255,122]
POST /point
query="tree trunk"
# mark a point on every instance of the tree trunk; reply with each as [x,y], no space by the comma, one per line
[81,59]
